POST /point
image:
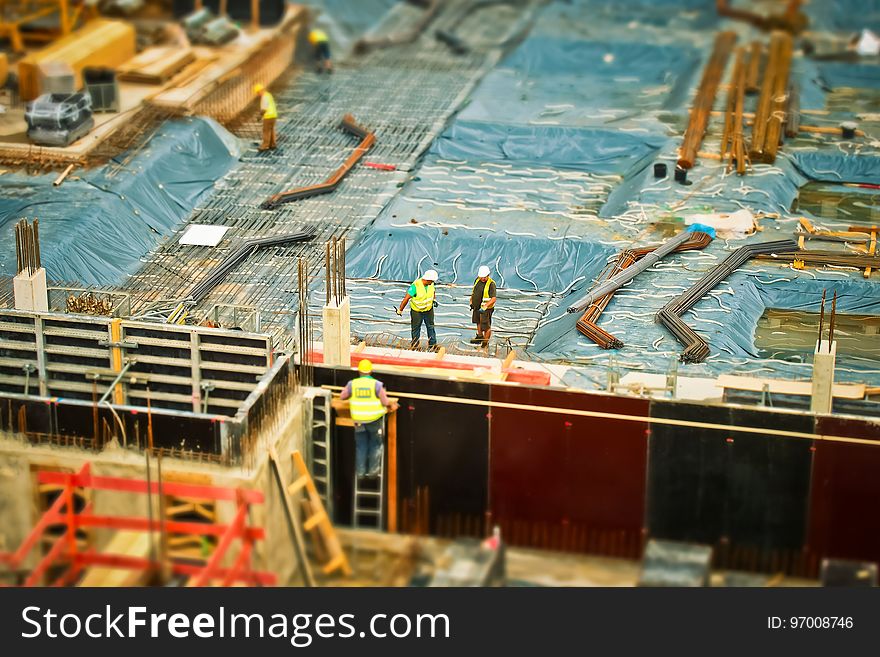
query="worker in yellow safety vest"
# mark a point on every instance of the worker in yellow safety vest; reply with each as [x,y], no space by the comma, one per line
[482,305]
[270,115]
[368,403]
[420,297]
[321,44]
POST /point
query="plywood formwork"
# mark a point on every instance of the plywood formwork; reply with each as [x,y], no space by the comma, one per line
[129,362]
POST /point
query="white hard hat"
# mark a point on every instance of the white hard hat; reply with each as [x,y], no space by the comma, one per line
[430,275]
[483,272]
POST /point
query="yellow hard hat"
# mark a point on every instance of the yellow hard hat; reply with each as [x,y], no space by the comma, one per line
[258,88]
[365,366]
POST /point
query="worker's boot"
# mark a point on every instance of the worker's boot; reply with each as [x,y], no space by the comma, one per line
[477,339]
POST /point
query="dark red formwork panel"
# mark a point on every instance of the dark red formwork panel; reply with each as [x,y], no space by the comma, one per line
[845,495]
[566,480]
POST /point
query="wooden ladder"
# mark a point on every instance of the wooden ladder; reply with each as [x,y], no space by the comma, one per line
[328,549]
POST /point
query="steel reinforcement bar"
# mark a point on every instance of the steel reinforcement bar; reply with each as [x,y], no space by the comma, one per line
[705,99]
[239,255]
[586,325]
[648,260]
[348,124]
[696,349]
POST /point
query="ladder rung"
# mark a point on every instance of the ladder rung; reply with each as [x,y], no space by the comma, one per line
[298,485]
[368,512]
[371,493]
[314,520]
[337,562]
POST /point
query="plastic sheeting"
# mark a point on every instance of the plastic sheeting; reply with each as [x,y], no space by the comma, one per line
[583,149]
[99,223]
[600,81]
[850,74]
[837,167]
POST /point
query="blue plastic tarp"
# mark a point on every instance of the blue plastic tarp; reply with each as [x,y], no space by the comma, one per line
[96,226]
[583,149]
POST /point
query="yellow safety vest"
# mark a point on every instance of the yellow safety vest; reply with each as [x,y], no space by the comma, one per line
[424,299]
[317,36]
[271,110]
[364,403]
[489,282]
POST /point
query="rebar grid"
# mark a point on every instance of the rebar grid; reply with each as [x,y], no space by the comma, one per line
[404,94]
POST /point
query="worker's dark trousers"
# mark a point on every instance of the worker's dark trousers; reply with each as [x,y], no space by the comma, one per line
[268,134]
[369,438]
[415,319]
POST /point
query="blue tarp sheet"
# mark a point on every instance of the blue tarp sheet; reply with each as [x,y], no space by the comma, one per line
[582,149]
[95,227]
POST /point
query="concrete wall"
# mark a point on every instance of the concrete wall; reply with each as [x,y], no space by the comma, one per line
[18,493]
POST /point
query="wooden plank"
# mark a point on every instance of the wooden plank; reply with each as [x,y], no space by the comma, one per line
[156,65]
[100,43]
[783,387]
[126,543]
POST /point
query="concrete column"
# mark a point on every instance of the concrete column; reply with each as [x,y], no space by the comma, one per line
[823,376]
[337,333]
[31,292]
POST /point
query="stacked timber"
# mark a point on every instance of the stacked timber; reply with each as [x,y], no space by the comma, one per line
[705,98]
[99,44]
[156,65]
[770,111]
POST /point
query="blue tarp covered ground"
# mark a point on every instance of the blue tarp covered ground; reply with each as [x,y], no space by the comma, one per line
[95,227]
[547,173]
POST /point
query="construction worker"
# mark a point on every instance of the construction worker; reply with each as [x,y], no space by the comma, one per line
[420,297]
[321,44]
[368,403]
[482,305]
[270,115]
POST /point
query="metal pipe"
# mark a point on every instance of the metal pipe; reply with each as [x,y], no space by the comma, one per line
[115,381]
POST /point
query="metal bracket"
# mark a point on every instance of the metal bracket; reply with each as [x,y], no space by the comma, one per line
[120,345]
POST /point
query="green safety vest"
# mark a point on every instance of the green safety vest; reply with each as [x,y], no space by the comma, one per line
[364,403]
[424,299]
[489,282]
[271,110]
[317,36]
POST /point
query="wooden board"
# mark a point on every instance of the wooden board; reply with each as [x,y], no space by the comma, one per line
[156,65]
[100,43]
[129,544]
[783,387]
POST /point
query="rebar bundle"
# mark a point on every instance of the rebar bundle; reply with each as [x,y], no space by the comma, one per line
[650,259]
[770,110]
[705,99]
[334,265]
[696,347]
[821,258]
[587,326]
[304,325]
[27,246]
[239,255]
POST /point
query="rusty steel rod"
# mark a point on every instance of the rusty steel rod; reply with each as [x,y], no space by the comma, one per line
[705,99]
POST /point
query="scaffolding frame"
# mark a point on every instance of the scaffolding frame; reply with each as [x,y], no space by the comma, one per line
[64,550]
[13,16]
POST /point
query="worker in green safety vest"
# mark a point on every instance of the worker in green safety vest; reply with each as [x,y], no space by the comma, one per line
[482,305]
[270,117]
[368,403]
[420,297]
